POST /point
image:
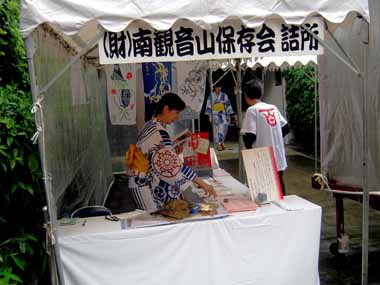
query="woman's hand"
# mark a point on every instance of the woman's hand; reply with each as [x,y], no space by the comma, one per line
[207,188]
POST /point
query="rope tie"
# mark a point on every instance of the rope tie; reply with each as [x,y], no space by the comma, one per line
[37,110]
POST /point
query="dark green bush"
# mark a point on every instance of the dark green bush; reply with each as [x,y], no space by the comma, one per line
[22,254]
[300,92]
[13,66]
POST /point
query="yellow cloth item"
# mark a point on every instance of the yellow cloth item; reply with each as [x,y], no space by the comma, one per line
[218,107]
[136,160]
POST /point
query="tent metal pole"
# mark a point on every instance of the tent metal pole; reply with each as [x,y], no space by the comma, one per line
[224,74]
[365,207]
[341,58]
[212,104]
[233,76]
[54,260]
[316,119]
[372,50]
[90,45]
[240,117]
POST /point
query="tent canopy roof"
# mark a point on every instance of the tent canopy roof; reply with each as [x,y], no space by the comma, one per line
[268,63]
[281,62]
[70,16]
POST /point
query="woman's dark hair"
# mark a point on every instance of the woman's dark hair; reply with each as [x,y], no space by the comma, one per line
[253,89]
[172,100]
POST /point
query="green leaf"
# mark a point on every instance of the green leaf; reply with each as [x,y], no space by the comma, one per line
[20,263]
[22,134]
[30,237]
[21,246]
[14,187]
[29,189]
[15,152]
[33,163]
[5,242]
[4,166]
[29,250]
[3,153]
[9,141]
[9,276]
[26,187]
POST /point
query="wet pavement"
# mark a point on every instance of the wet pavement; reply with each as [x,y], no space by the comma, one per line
[342,269]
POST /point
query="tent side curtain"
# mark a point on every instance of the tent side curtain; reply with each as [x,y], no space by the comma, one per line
[77,153]
[70,16]
[341,112]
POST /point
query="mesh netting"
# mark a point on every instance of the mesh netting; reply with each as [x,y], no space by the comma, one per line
[77,156]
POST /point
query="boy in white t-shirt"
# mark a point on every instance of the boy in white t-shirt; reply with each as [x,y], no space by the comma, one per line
[264,125]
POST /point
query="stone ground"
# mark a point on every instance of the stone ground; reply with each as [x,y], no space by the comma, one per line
[333,270]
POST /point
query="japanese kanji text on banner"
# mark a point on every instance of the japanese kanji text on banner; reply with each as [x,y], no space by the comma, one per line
[187,41]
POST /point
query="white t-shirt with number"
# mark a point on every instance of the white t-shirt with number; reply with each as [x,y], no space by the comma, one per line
[265,121]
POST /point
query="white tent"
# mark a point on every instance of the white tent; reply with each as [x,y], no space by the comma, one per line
[70,16]
[269,63]
[281,63]
[72,32]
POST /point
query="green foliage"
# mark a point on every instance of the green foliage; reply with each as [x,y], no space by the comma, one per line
[13,66]
[12,257]
[22,254]
[300,93]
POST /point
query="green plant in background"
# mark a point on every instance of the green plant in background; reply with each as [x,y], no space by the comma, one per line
[13,66]
[22,254]
[300,94]
[13,253]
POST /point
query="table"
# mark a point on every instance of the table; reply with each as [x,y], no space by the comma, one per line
[268,246]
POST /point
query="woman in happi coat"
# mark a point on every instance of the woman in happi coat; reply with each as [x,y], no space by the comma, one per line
[156,172]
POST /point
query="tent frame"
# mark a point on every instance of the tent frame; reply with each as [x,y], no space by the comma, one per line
[38,94]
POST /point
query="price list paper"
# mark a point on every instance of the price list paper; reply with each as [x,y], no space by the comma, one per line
[262,175]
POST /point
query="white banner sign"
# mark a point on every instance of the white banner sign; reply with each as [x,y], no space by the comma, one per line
[230,39]
[121,89]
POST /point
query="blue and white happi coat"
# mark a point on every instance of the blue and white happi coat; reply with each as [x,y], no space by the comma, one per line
[220,115]
[167,176]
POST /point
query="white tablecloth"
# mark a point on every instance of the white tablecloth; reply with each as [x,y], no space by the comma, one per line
[271,246]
